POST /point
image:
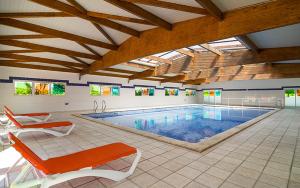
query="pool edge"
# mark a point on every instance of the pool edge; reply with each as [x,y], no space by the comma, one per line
[200,146]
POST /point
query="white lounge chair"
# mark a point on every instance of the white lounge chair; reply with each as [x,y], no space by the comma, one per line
[60,169]
[31,116]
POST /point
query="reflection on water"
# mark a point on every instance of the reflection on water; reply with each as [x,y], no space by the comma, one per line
[189,124]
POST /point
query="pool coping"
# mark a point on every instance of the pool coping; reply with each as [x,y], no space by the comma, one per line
[200,146]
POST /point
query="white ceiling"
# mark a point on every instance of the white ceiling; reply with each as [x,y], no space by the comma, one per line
[280,37]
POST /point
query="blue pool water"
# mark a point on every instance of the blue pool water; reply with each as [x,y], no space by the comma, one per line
[188,123]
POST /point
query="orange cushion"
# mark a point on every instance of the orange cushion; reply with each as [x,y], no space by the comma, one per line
[88,158]
[34,114]
[48,125]
[76,161]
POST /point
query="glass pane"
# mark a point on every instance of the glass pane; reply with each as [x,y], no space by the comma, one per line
[290,93]
[105,91]
[23,88]
[58,89]
[95,90]
[151,91]
[115,91]
[41,89]
[138,91]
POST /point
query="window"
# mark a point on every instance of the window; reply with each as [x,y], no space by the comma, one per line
[95,90]
[105,90]
[115,91]
[41,88]
[144,91]
[190,92]
[23,88]
[171,92]
[58,89]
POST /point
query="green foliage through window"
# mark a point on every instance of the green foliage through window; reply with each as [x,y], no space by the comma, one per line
[23,88]
[95,90]
[58,89]
[115,91]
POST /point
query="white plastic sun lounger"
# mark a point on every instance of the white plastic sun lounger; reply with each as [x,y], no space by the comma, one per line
[41,127]
[60,169]
[31,116]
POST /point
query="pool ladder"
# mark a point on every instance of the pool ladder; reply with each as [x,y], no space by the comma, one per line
[103,106]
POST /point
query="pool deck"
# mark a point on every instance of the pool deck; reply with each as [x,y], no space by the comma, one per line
[266,155]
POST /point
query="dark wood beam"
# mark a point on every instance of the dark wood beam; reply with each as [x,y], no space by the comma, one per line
[33,14]
[18,51]
[119,18]
[42,60]
[178,78]
[57,5]
[143,74]
[79,60]
[211,8]
[202,30]
[244,39]
[138,11]
[90,49]
[169,5]
[60,34]
[34,36]
[203,61]
[44,48]
[98,27]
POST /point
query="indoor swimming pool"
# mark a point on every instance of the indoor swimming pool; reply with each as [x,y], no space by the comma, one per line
[185,123]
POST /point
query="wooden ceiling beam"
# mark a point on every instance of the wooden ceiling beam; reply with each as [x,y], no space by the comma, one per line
[159,59]
[44,48]
[117,17]
[186,52]
[90,49]
[42,60]
[143,74]
[59,34]
[211,49]
[195,82]
[33,14]
[79,60]
[135,65]
[211,8]
[203,61]
[178,78]
[34,36]
[202,30]
[140,12]
[98,27]
[57,5]
[246,41]
[18,51]
[169,5]
[37,67]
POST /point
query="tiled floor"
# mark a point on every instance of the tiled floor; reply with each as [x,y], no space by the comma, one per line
[264,155]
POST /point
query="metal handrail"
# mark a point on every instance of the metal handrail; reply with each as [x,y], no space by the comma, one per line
[103,107]
[95,108]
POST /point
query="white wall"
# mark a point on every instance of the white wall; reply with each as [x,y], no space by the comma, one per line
[268,92]
[78,96]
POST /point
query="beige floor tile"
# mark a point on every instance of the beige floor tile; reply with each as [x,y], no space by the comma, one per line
[220,173]
[263,185]
[273,180]
[226,166]
[158,160]
[144,180]
[127,184]
[253,166]
[209,180]
[276,172]
[147,165]
[247,172]
[293,184]
[160,172]
[93,184]
[189,172]
[241,180]
[177,180]
[199,166]
[227,184]
[194,184]
[161,184]
[172,165]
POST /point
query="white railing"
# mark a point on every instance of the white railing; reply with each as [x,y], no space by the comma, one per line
[251,101]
